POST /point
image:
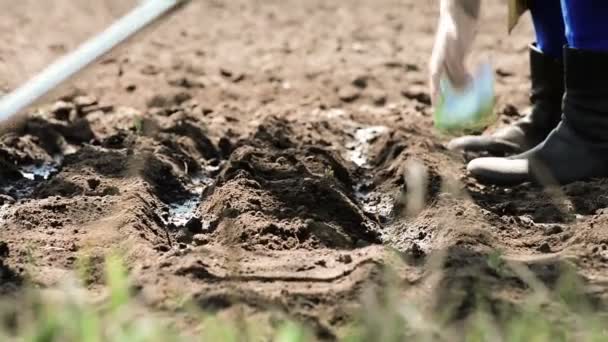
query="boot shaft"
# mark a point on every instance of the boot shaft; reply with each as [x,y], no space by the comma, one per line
[547,88]
[586,97]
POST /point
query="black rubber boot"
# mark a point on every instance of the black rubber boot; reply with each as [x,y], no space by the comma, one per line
[546,98]
[578,148]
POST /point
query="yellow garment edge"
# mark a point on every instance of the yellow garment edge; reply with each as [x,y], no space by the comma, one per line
[516,9]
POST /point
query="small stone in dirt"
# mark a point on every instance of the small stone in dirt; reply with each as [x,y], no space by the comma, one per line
[72,94]
[349,94]
[554,230]
[544,248]
[150,70]
[226,147]
[255,201]
[111,191]
[401,65]
[230,213]
[510,110]
[4,250]
[182,82]
[186,82]
[131,88]
[184,236]
[419,96]
[78,131]
[226,73]
[210,223]
[504,73]
[6,199]
[181,97]
[72,247]
[345,259]
[286,212]
[158,101]
[507,208]
[416,251]
[360,82]
[235,77]
[200,240]
[162,248]
[194,225]
[281,160]
[61,110]
[379,99]
[93,183]
[567,236]
[85,101]
[526,220]
[238,78]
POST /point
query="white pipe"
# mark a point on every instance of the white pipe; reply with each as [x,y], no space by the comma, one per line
[69,65]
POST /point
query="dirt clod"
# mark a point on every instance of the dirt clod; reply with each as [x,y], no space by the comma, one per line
[545,248]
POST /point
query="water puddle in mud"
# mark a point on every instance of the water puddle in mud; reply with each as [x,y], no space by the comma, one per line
[376,202]
[358,151]
[39,172]
[373,202]
[363,140]
[32,174]
[182,211]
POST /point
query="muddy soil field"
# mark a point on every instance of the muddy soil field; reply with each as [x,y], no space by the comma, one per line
[273,155]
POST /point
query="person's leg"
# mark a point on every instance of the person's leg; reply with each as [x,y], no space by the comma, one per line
[587,24]
[586,107]
[578,148]
[547,89]
[549,26]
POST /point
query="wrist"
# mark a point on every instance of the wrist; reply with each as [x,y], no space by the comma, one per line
[469,7]
[461,8]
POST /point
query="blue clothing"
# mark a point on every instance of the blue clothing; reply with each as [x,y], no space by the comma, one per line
[586,24]
[549,26]
[581,24]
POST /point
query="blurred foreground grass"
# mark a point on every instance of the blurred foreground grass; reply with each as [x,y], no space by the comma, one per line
[66,314]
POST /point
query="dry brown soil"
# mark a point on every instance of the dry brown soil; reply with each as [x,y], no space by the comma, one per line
[270,155]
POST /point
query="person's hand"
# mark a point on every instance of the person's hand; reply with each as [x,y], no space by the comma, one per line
[455,34]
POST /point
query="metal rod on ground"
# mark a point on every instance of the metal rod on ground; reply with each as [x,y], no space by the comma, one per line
[66,67]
